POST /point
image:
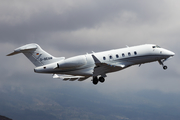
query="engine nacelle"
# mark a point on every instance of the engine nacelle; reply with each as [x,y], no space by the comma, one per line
[73,62]
[69,63]
[45,68]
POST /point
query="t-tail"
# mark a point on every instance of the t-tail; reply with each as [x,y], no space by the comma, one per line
[36,54]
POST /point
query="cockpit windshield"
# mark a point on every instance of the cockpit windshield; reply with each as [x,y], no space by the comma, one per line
[156,46]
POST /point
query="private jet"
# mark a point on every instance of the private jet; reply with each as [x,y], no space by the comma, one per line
[95,65]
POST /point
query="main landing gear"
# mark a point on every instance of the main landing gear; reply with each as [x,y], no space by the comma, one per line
[161,63]
[96,80]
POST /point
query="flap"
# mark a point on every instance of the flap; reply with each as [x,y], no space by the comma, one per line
[70,77]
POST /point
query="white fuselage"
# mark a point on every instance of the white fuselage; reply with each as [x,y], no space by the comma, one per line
[84,65]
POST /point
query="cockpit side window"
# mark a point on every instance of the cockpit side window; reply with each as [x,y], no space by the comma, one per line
[156,46]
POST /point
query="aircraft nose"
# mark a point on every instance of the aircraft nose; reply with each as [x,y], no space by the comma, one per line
[169,53]
[173,53]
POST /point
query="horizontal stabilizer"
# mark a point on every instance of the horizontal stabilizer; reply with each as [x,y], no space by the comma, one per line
[13,53]
[23,49]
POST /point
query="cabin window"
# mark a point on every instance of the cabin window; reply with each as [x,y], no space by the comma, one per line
[129,53]
[110,57]
[135,53]
[117,56]
[123,55]
[104,58]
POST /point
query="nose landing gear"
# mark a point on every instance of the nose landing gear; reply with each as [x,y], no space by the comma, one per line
[161,63]
[165,67]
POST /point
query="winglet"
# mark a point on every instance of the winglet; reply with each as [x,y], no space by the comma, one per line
[95,59]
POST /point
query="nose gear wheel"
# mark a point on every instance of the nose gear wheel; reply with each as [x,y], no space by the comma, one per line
[161,63]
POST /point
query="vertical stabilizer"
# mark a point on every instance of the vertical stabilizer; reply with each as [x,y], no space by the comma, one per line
[36,54]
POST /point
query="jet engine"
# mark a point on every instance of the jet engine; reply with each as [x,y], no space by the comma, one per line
[73,62]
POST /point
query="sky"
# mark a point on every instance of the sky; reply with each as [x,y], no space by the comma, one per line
[67,28]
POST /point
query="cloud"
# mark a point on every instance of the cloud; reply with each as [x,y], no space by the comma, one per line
[73,27]
[27,21]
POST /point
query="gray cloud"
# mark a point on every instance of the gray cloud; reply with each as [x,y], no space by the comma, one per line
[76,27]
[32,20]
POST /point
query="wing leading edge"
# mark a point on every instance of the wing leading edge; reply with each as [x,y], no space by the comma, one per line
[102,68]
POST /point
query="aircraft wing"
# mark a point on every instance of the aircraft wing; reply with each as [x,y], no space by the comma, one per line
[70,77]
[102,68]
